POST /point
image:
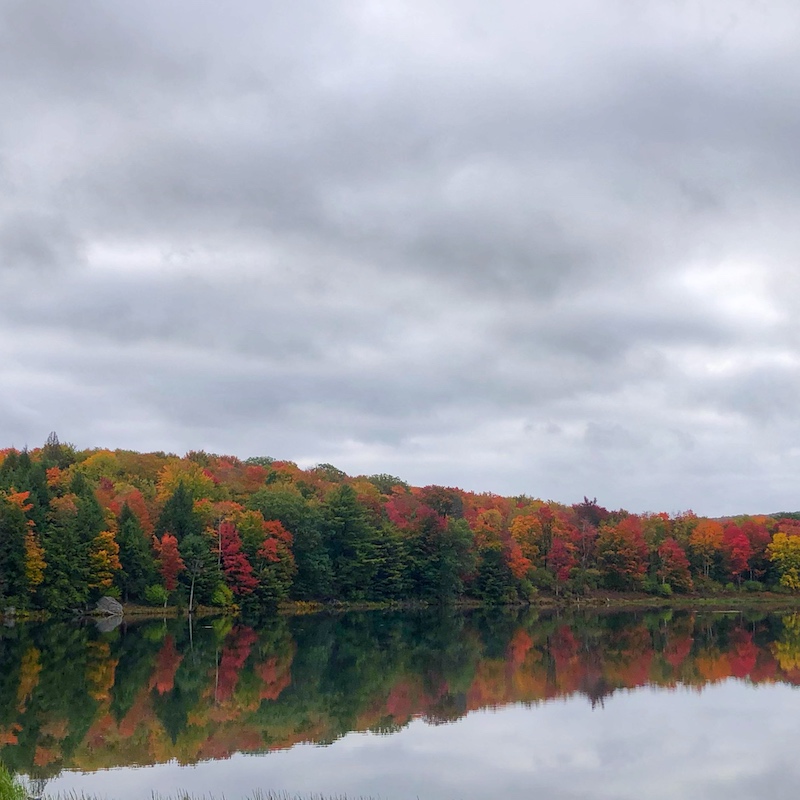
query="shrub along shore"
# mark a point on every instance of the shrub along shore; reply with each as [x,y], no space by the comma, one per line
[167,535]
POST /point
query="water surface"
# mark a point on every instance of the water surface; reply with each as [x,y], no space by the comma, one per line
[428,705]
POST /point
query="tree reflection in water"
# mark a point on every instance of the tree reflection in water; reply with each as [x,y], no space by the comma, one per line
[80,698]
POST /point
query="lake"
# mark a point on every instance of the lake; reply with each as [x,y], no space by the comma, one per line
[436,704]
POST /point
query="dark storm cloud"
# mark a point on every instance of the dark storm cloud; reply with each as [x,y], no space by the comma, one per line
[540,249]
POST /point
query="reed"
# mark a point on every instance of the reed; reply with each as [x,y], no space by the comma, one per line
[10,787]
[258,794]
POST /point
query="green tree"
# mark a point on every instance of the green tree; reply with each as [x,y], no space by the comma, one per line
[74,522]
[57,454]
[202,574]
[350,543]
[178,516]
[441,554]
[13,528]
[314,578]
[135,555]
[390,581]
[495,583]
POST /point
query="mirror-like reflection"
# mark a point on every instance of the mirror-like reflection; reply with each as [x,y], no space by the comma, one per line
[79,698]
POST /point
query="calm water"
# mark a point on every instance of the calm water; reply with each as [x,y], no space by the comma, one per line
[428,705]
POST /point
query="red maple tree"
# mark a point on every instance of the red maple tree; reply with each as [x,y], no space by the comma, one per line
[238,570]
[169,560]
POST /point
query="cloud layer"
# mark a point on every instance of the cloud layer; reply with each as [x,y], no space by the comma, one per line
[549,250]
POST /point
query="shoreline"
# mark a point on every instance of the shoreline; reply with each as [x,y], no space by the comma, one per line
[596,601]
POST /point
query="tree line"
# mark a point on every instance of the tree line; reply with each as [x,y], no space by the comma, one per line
[155,528]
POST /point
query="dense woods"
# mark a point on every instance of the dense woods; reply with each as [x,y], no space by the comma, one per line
[158,529]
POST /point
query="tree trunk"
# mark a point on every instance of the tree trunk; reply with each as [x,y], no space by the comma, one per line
[191,595]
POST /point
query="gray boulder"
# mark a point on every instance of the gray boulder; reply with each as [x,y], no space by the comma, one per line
[110,606]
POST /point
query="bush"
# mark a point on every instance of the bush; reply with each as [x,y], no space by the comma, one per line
[730,587]
[156,595]
[542,579]
[665,590]
[651,585]
[527,590]
[754,586]
[222,596]
[585,580]
[707,585]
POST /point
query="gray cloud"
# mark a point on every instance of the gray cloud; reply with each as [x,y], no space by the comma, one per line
[532,249]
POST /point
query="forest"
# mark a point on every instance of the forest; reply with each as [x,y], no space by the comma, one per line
[247,535]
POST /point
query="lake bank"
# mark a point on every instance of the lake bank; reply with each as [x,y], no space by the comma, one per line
[595,601]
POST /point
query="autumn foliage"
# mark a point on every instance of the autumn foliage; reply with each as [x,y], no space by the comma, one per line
[169,561]
[216,530]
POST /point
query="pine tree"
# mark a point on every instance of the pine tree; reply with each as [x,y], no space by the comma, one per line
[138,569]
[351,544]
[14,526]
[178,516]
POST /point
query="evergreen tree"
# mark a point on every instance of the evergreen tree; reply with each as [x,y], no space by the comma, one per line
[440,555]
[495,583]
[13,528]
[314,579]
[454,558]
[56,454]
[178,516]
[65,586]
[314,570]
[135,555]
[9,471]
[36,484]
[391,579]
[351,544]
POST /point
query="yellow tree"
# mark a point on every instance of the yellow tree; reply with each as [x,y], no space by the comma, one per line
[194,477]
[706,542]
[102,464]
[784,552]
[526,530]
[29,670]
[488,527]
[34,560]
[104,559]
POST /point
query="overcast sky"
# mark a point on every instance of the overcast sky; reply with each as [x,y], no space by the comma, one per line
[548,248]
